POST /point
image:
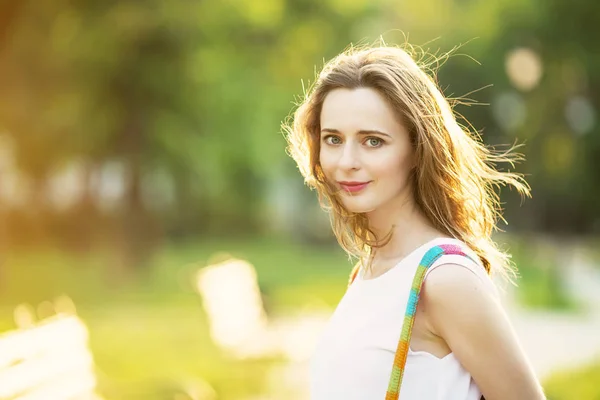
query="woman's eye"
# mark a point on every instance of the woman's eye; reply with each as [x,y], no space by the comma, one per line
[374,142]
[332,140]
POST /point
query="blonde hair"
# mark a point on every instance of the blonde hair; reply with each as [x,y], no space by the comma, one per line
[455,177]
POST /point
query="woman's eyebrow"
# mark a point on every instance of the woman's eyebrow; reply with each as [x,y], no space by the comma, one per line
[361,132]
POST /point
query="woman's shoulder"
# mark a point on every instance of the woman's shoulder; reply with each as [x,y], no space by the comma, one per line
[457,263]
[455,285]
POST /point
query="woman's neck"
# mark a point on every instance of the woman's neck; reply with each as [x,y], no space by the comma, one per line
[408,226]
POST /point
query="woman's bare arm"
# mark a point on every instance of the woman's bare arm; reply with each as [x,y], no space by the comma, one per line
[461,309]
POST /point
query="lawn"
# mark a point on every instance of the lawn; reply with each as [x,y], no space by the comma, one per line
[577,384]
[149,334]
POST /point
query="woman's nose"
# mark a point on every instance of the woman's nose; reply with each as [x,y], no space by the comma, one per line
[349,157]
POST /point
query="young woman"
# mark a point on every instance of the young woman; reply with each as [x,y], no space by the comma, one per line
[411,194]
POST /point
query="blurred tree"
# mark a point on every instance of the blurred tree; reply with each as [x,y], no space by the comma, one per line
[175,107]
[560,127]
[556,117]
[195,90]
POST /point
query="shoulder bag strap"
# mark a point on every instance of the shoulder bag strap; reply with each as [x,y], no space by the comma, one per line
[430,257]
[427,261]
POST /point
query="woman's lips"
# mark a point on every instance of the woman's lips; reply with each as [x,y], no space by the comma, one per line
[353,187]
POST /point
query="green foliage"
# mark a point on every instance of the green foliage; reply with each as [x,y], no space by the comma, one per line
[540,284]
[198,90]
[539,288]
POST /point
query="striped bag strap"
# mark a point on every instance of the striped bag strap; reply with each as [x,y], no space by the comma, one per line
[393,391]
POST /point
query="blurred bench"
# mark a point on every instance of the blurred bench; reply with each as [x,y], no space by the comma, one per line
[47,360]
[238,322]
[234,308]
[240,326]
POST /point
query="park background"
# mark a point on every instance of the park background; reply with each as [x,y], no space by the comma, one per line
[140,141]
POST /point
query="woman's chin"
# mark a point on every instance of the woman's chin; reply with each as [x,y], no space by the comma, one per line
[355,208]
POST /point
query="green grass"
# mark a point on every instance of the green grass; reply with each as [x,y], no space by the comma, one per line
[149,334]
[539,282]
[578,384]
[150,352]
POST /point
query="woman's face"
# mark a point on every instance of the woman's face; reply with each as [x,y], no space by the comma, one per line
[365,151]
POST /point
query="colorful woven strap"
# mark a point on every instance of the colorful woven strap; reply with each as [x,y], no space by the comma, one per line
[393,391]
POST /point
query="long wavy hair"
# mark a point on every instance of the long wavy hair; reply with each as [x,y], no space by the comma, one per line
[455,180]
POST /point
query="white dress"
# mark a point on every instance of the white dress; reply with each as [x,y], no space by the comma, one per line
[354,356]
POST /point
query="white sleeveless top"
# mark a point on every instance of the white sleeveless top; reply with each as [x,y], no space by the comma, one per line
[353,358]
